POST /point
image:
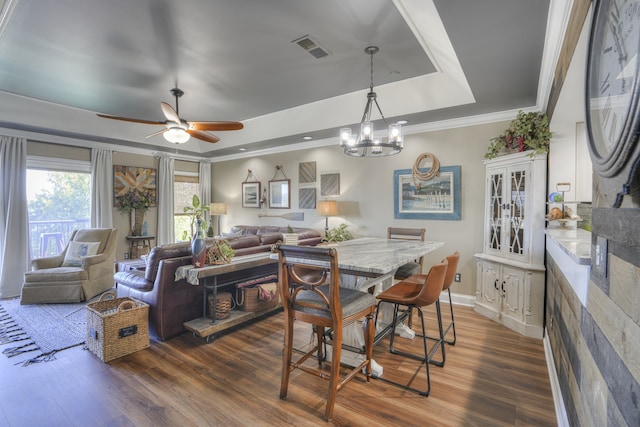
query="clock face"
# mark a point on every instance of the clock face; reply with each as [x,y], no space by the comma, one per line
[612,75]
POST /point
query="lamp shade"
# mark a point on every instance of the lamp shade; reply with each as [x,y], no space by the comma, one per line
[218,208]
[327,208]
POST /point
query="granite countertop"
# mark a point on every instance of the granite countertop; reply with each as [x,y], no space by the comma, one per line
[575,242]
[379,255]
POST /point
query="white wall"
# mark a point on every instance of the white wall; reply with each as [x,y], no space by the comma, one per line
[366,191]
[569,159]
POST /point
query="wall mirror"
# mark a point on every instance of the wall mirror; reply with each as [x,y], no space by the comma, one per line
[279,194]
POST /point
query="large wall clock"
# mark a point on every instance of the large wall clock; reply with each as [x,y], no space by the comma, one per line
[612,96]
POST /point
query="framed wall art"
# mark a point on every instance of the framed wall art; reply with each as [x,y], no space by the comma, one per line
[280,194]
[251,194]
[132,178]
[438,198]
[307,198]
[330,184]
[306,172]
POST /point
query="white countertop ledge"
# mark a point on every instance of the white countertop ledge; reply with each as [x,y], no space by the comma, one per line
[571,250]
[575,242]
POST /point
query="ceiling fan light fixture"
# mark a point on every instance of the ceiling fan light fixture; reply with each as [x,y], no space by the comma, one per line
[176,135]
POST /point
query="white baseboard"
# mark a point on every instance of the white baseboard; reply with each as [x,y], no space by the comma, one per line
[459,299]
[558,401]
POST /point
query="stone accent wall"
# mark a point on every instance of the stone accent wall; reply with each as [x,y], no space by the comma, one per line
[596,348]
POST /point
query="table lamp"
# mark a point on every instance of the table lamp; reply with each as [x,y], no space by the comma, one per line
[218,209]
[327,208]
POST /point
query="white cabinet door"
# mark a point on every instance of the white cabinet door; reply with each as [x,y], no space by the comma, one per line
[507,201]
[517,226]
[496,206]
[512,287]
[490,286]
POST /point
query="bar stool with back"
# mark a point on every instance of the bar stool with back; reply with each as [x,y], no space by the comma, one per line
[415,295]
[448,281]
[311,293]
[412,267]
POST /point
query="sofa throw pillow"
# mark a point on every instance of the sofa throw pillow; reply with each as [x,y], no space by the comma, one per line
[75,250]
[237,234]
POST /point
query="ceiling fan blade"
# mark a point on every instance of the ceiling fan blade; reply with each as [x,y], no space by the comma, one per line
[127,119]
[215,125]
[169,112]
[157,133]
[203,136]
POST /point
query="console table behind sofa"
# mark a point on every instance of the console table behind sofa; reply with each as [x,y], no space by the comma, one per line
[173,303]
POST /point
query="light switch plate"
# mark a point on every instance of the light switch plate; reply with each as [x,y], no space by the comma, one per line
[601,256]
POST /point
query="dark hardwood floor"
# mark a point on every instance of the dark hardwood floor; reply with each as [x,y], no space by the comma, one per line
[492,377]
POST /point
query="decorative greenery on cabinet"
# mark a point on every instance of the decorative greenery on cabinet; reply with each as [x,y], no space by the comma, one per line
[528,131]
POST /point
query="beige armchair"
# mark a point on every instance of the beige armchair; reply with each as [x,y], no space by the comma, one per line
[74,275]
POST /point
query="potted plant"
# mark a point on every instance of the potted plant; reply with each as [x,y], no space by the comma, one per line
[135,203]
[196,211]
[290,238]
[338,234]
[528,131]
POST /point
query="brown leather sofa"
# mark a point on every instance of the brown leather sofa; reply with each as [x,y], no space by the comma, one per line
[261,238]
[171,302]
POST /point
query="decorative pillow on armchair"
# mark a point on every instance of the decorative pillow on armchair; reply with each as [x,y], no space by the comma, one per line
[75,250]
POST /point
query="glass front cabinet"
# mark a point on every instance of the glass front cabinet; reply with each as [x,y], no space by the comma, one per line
[510,279]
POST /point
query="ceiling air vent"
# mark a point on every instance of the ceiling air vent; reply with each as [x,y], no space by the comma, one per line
[312,46]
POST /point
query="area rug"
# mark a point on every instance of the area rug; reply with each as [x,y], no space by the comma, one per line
[41,330]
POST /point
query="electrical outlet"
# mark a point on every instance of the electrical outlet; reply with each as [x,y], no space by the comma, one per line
[458,277]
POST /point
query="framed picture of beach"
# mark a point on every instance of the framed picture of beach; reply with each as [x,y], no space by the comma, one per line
[250,194]
[437,198]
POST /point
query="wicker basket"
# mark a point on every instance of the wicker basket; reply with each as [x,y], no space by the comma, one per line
[117,326]
[215,254]
[249,300]
[224,305]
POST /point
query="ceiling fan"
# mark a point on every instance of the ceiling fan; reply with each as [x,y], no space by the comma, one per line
[178,130]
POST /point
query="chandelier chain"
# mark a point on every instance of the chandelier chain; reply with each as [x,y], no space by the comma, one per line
[371,85]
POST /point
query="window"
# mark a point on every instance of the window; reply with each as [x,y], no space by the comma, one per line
[59,202]
[184,187]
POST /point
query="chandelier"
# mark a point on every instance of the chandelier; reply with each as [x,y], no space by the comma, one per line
[365,145]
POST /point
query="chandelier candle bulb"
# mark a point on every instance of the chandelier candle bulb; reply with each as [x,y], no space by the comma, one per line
[395,133]
[366,131]
[345,136]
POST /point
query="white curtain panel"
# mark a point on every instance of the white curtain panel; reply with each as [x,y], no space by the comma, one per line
[101,188]
[164,194]
[204,176]
[14,216]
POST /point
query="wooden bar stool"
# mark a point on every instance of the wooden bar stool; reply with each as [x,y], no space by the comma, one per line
[448,281]
[311,293]
[415,295]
